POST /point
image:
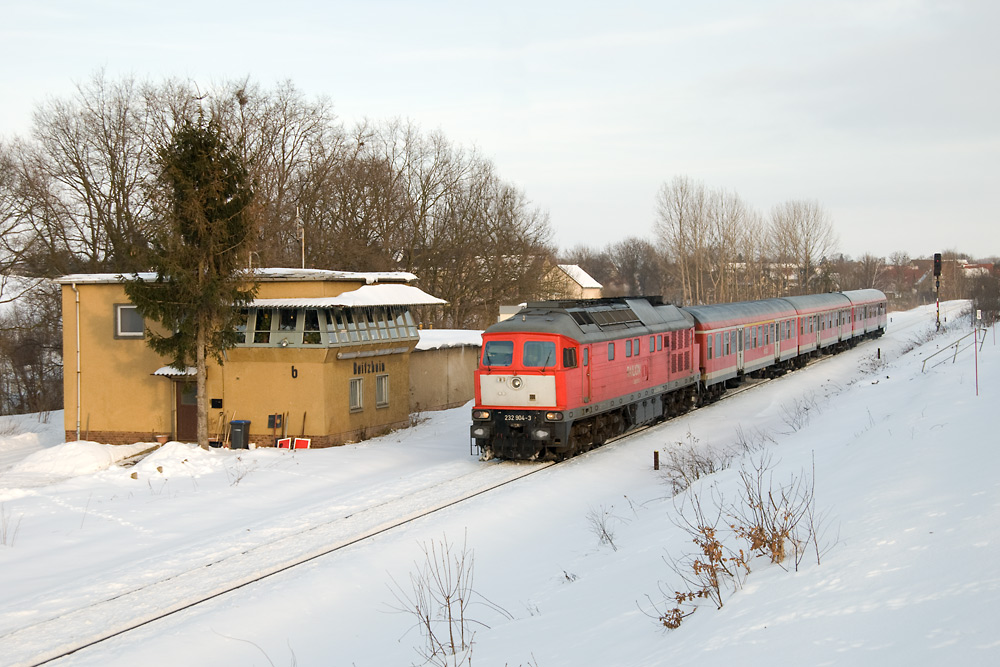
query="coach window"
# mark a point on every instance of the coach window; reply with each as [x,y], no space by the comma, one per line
[628,348]
[718,344]
[611,351]
[709,347]
[569,357]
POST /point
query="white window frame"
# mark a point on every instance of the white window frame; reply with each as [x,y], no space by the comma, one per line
[356,394]
[119,332]
[382,390]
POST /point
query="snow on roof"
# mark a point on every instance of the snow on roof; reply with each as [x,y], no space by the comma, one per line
[367,295]
[435,339]
[581,277]
[173,371]
[261,274]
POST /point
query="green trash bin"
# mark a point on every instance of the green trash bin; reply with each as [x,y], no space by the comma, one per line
[239,437]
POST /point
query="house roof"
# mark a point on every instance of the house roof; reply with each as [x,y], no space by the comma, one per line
[366,295]
[581,277]
[261,274]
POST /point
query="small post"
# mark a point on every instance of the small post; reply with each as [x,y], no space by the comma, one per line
[656,459]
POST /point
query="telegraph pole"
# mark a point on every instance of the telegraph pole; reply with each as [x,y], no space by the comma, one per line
[300,231]
[937,286]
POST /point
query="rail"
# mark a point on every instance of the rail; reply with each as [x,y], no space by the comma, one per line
[957,345]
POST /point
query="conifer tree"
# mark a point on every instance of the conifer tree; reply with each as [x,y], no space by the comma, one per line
[204,198]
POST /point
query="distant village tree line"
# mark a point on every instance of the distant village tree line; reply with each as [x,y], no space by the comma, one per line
[78,195]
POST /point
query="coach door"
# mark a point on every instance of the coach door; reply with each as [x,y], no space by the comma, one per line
[739,349]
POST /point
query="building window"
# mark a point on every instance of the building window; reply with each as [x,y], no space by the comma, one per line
[382,391]
[128,321]
[262,328]
[311,335]
[357,389]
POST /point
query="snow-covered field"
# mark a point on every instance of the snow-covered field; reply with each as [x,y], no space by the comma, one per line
[905,473]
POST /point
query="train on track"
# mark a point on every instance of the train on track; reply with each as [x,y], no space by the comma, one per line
[562,377]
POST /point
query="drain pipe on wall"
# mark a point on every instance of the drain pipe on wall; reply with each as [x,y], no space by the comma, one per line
[78,372]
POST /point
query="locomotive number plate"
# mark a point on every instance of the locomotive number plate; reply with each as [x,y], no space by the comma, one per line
[516,418]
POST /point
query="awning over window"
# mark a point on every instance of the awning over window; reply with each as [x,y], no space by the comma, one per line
[171,372]
[368,295]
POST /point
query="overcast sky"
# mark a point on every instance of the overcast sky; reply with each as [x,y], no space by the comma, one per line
[887,112]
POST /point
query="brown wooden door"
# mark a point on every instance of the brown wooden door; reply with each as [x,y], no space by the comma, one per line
[187,411]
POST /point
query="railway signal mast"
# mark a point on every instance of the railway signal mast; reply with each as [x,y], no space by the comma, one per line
[937,286]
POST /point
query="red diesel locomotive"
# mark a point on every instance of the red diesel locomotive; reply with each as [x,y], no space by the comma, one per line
[561,377]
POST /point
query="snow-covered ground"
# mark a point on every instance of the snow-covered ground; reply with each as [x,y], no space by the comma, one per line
[905,473]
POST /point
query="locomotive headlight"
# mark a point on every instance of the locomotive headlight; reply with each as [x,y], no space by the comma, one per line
[516,382]
[480,414]
[553,416]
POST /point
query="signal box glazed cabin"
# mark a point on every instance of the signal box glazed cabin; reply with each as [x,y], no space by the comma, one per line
[324,355]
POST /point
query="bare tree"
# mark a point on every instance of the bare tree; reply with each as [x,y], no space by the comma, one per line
[636,267]
[680,229]
[802,235]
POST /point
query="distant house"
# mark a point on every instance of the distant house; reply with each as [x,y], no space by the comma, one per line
[564,281]
[322,354]
[572,282]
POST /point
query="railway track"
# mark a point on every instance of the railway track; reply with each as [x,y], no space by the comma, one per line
[60,636]
[67,633]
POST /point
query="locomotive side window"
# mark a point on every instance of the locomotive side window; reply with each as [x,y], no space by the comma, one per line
[611,351]
[569,357]
[586,356]
[539,353]
[628,348]
[498,353]
[652,344]
[659,343]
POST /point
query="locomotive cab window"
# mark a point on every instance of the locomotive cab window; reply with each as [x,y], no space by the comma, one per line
[498,353]
[539,353]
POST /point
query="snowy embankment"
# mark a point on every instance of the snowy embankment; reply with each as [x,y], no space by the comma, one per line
[904,467]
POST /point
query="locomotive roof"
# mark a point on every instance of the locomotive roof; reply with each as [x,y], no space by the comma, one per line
[593,320]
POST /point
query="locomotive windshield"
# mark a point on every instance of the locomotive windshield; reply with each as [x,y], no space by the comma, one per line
[539,353]
[498,353]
